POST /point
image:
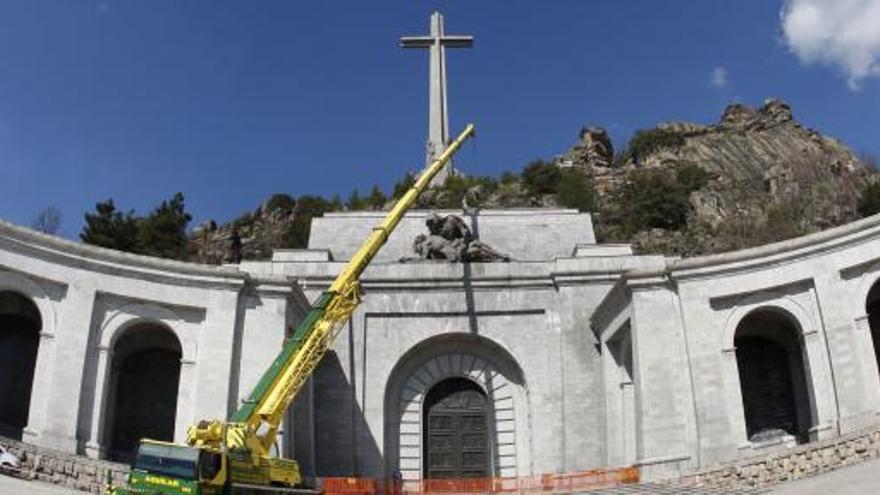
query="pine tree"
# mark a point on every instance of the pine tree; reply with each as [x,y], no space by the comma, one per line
[403,185]
[376,199]
[163,233]
[110,228]
[355,202]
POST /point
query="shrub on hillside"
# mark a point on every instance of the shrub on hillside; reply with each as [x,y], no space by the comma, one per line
[869,201]
[281,201]
[645,142]
[654,200]
[660,199]
[576,191]
[541,177]
[296,235]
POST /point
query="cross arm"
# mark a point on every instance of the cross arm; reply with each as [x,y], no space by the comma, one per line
[416,41]
[456,41]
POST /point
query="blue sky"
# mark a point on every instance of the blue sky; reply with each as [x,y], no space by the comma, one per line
[229,102]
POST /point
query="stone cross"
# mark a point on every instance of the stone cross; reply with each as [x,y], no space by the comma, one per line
[438,115]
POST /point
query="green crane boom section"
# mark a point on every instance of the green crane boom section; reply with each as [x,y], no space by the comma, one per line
[303,350]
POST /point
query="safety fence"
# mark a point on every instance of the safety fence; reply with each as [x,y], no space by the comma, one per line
[546,483]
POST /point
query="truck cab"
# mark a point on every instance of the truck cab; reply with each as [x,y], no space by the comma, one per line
[162,468]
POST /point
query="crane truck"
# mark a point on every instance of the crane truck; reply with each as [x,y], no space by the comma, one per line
[233,456]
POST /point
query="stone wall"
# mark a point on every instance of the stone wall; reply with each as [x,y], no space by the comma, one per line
[71,471]
[802,462]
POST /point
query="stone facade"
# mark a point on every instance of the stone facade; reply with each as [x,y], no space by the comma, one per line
[584,355]
[223,324]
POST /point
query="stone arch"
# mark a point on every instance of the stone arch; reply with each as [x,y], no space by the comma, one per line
[20,327]
[115,326]
[774,377]
[472,357]
[36,293]
[143,381]
[122,319]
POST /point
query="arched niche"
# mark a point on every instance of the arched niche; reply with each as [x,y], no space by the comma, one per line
[20,327]
[774,377]
[143,388]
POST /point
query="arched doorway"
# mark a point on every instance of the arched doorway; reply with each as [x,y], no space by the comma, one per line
[773,377]
[20,326]
[872,308]
[144,379]
[456,431]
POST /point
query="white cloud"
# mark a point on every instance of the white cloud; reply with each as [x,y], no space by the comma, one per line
[718,78]
[844,33]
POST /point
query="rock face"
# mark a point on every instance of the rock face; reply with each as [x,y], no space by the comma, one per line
[594,148]
[251,236]
[771,178]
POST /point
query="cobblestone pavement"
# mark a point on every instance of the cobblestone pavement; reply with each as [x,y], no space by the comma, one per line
[10,485]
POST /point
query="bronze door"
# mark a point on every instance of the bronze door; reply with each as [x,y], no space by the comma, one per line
[456,434]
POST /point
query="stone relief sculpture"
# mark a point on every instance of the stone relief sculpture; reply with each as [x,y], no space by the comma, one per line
[449,238]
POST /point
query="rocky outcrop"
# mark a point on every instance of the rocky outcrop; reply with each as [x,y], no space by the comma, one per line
[770,178]
[251,236]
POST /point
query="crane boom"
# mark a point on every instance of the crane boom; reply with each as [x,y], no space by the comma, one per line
[254,426]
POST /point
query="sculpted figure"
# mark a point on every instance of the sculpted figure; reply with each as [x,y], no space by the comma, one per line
[450,239]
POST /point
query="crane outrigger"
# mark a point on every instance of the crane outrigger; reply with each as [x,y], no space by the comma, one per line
[233,456]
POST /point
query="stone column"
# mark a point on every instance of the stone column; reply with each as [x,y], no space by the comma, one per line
[216,345]
[850,349]
[66,370]
[665,423]
[94,445]
[41,388]
[185,415]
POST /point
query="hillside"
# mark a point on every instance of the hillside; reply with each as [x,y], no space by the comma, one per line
[684,189]
[767,178]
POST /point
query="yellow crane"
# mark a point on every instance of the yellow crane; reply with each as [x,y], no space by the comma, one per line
[232,456]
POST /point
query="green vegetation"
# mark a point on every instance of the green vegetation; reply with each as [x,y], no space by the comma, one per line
[645,142]
[540,177]
[281,201]
[869,201]
[376,200]
[162,233]
[403,185]
[355,201]
[660,199]
[296,235]
[453,191]
[576,191]
[109,228]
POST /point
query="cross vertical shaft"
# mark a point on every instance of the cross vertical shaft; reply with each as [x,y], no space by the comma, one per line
[438,112]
